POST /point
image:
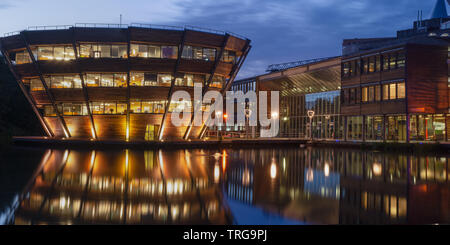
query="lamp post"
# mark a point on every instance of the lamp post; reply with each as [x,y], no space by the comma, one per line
[311,114]
[248,113]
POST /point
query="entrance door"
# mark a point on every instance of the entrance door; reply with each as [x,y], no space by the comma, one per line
[150,132]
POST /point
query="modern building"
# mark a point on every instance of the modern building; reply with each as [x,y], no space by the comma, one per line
[397,89]
[304,86]
[115,82]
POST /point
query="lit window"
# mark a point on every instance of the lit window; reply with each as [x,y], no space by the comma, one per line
[36,85]
[137,79]
[187,52]
[392,91]
[364,94]
[385,91]
[401,60]
[169,52]
[393,61]
[135,107]
[110,108]
[378,93]
[209,54]
[401,92]
[371,96]
[23,57]
[164,80]
[385,62]
[97,108]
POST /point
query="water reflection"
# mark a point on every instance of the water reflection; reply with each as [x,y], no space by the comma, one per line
[283,186]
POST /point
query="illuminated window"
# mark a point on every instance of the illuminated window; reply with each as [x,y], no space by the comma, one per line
[45,53]
[393,61]
[74,109]
[97,108]
[110,108]
[187,52]
[63,81]
[385,91]
[147,107]
[217,82]
[197,53]
[401,60]
[364,94]
[150,79]
[346,69]
[229,56]
[189,80]
[164,80]
[385,62]
[371,93]
[58,53]
[371,64]
[378,63]
[137,79]
[121,108]
[365,64]
[392,91]
[401,93]
[107,80]
[120,80]
[49,111]
[180,106]
[22,57]
[209,54]
[135,107]
[102,51]
[36,84]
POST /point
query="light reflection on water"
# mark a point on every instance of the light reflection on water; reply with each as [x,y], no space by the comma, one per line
[248,186]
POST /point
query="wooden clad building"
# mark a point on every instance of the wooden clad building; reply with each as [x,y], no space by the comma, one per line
[115,82]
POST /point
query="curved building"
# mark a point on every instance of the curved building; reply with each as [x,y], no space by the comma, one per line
[115,82]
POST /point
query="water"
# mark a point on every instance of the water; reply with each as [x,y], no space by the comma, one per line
[246,186]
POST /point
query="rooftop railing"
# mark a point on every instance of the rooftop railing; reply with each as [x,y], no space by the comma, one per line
[124,26]
[289,65]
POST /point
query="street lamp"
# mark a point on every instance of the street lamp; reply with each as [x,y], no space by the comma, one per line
[311,114]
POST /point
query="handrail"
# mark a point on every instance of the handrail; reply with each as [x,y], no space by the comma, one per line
[100,25]
[124,26]
[45,28]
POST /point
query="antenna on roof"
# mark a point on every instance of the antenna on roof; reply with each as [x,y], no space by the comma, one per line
[121,19]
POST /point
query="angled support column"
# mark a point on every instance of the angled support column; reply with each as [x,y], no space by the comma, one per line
[180,52]
[25,92]
[83,85]
[206,88]
[234,73]
[44,84]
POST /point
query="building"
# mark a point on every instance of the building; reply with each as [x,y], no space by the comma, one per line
[397,89]
[115,82]
[309,85]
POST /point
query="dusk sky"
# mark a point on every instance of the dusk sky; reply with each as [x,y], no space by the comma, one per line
[281,31]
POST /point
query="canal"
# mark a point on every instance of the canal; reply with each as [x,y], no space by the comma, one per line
[223,186]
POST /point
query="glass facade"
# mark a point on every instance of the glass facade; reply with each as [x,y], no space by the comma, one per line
[326,123]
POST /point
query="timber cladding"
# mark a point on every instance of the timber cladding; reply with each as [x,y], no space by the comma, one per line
[125,125]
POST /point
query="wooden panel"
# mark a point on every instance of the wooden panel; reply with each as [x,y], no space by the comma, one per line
[393,75]
[196,38]
[371,109]
[13,42]
[26,70]
[427,84]
[101,35]
[235,44]
[139,122]
[110,126]
[350,110]
[224,69]
[58,67]
[154,65]
[370,78]
[393,107]
[150,93]
[173,132]
[351,81]
[75,95]
[155,35]
[104,65]
[55,126]
[40,97]
[49,37]
[195,66]
[107,94]
[79,126]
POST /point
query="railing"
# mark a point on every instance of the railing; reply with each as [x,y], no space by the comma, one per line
[100,25]
[160,27]
[46,28]
[285,66]
[124,26]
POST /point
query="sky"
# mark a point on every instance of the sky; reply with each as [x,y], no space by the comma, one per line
[280,30]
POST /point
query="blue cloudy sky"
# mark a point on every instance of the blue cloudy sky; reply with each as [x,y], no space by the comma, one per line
[281,31]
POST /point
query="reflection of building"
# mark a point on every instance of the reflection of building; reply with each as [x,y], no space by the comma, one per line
[117,81]
[125,187]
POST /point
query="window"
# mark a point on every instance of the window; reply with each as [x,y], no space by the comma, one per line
[99,108]
[229,56]
[401,60]
[346,69]
[54,53]
[385,62]
[371,64]
[197,53]
[74,109]
[364,94]
[392,91]
[187,52]
[217,82]
[378,93]
[106,80]
[365,66]
[371,93]
[102,51]
[157,107]
[22,57]
[135,107]
[385,91]
[36,84]
[67,81]
[378,63]
[164,80]
[393,61]
[169,52]
[209,54]
[180,106]
[49,111]
[401,91]
[45,53]
[154,51]
[137,79]
[110,108]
